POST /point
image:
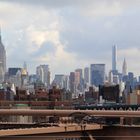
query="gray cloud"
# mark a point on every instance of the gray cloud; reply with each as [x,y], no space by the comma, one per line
[87,35]
[50,3]
[86,28]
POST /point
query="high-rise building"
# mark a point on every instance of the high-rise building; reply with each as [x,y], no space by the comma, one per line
[14,76]
[124,68]
[109,93]
[13,71]
[2,60]
[97,74]
[131,79]
[110,77]
[59,80]
[32,78]
[72,82]
[114,60]
[79,79]
[86,75]
[62,81]
[66,82]
[43,74]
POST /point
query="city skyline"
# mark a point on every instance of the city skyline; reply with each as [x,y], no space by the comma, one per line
[52,33]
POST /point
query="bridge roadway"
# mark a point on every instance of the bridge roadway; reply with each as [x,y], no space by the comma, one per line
[51,133]
[73,132]
[66,113]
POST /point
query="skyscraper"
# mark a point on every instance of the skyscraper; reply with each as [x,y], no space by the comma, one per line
[72,82]
[131,79]
[114,60]
[62,81]
[86,75]
[97,74]
[124,68]
[43,74]
[79,79]
[110,77]
[2,60]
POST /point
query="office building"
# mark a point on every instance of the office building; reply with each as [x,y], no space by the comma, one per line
[2,61]
[72,82]
[62,81]
[97,74]
[79,76]
[114,60]
[14,76]
[131,79]
[43,74]
[110,94]
[77,80]
[86,75]
[110,77]
[91,96]
[13,71]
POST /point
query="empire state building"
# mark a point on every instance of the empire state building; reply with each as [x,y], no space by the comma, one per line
[2,61]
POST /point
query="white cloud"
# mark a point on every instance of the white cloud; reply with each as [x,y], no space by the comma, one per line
[28,26]
[59,59]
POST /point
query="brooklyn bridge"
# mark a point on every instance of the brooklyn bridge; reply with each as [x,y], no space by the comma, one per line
[71,125]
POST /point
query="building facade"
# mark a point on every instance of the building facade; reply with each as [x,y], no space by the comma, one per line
[2,61]
[97,73]
[72,82]
[124,68]
[86,75]
[114,60]
[43,74]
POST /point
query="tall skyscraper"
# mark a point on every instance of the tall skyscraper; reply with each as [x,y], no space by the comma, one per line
[86,75]
[110,77]
[114,60]
[124,68]
[62,81]
[15,76]
[131,79]
[2,60]
[43,74]
[79,79]
[97,74]
[59,80]
[72,82]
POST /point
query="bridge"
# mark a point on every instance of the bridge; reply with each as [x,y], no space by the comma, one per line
[66,113]
[69,130]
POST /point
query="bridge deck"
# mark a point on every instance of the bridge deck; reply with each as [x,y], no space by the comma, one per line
[48,130]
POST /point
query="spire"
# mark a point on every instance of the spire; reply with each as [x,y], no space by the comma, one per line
[124,68]
[25,65]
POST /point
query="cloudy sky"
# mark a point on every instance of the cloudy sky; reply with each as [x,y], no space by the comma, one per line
[70,34]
